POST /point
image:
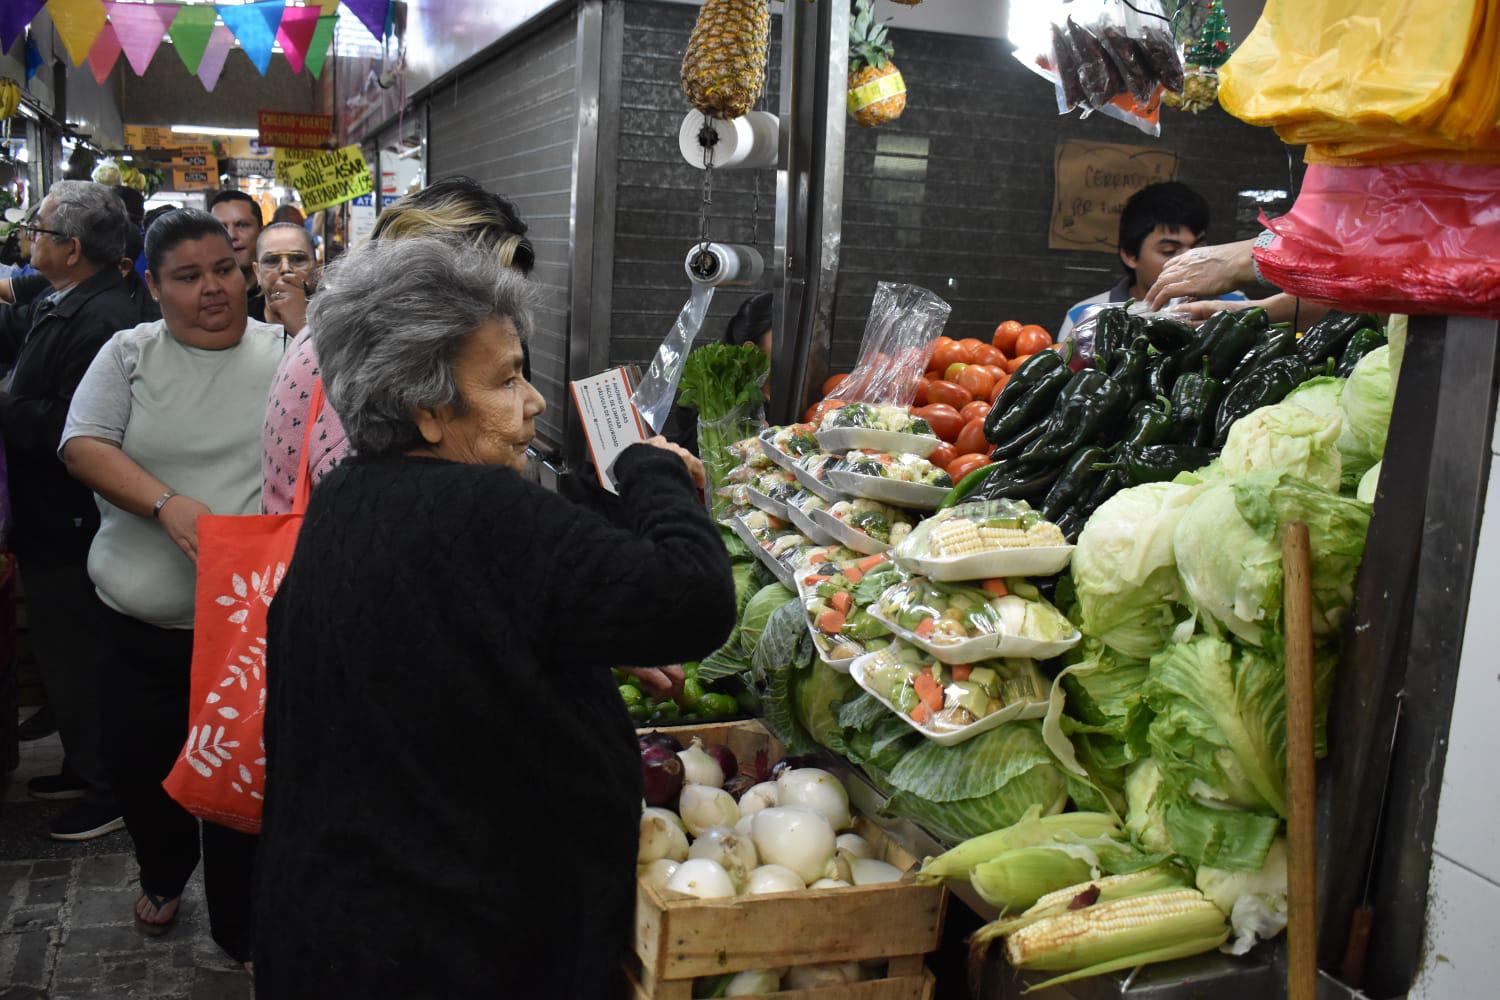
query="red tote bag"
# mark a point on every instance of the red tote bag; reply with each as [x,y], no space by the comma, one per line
[220,775]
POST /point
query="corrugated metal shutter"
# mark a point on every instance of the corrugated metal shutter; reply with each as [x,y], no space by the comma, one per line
[510,125]
[656,218]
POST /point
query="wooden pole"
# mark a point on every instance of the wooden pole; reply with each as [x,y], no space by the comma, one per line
[1302,868]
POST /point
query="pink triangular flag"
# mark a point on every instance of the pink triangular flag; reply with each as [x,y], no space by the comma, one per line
[140,28]
[103,55]
[295,34]
[214,55]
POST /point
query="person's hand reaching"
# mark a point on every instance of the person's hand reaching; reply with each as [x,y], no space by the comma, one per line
[1202,272]
[663,683]
[694,467]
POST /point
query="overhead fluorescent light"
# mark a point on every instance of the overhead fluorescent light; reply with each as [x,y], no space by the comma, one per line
[250,133]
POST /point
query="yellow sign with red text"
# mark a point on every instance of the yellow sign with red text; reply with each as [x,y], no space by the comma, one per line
[332,178]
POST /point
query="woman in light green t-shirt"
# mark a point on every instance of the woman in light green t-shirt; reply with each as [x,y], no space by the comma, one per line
[166,427]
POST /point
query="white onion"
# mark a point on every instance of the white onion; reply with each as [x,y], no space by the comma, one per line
[698,768]
[702,878]
[661,837]
[754,983]
[659,872]
[805,977]
[816,789]
[735,854]
[704,806]
[830,883]
[774,878]
[800,839]
[841,870]
[746,826]
[766,795]
[855,845]
[868,871]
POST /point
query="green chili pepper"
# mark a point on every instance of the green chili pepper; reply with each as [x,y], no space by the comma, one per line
[1166,334]
[1328,337]
[1111,334]
[967,485]
[1077,478]
[1155,463]
[1025,483]
[1018,443]
[1266,385]
[1233,340]
[1091,401]
[1161,374]
[1032,389]
[1195,402]
[1362,343]
[1276,342]
[1130,367]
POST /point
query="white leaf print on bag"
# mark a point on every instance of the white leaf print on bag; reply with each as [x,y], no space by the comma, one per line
[262,586]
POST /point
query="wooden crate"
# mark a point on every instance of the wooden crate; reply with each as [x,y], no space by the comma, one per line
[679,938]
[917,987]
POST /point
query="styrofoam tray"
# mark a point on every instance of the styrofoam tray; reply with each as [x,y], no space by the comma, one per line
[775,454]
[848,535]
[782,573]
[980,565]
[773,507]
[817,487]
[1010,713]
[892,491]
[890,442]
[804,523]
[820,642]
[984,647]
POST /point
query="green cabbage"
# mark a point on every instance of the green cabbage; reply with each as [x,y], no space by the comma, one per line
[980,785]
[1254,901]
[1124,572]
[1367,408]
[1286,437]
[1228,550]
[1106,717]
[1368,484]
[744,584]
[758,611]
[1163,819]
[817,696]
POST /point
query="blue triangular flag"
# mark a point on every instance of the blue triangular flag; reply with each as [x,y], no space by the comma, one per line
[33,59]
[255,25]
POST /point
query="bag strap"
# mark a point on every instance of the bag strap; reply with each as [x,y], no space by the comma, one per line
[304,475]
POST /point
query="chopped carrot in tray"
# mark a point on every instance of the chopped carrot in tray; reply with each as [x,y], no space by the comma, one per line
[842,602]
[996,587]
[961,671]
[831,622]
[925,626]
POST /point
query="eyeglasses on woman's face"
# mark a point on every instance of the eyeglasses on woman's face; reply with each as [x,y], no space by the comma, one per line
[297,260]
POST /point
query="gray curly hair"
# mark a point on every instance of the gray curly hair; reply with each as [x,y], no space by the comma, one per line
[390,319]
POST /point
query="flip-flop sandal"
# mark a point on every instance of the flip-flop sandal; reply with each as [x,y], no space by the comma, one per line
[160,903]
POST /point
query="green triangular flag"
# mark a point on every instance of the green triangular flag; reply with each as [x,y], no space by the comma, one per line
[190,31]
[317,49]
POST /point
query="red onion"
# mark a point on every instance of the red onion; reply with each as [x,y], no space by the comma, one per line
[661,774]
[660,739]
[724,757]
[739,785]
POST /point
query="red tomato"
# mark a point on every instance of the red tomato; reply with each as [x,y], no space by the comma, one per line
[987,355]
[922,384]
[999,388]
[978,381]
[1015,362]
[965,464]
[955,396]
[940,341]
[947,354]
[832,382]
[971,440]
[979,408]
[945,421]
[942,455]
[1033,339]
[951,373]
[970,346]
[1006,334]
[815,413]
[996,371]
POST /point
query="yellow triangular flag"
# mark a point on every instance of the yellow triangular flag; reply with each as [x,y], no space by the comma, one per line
[78,23]
[329,6]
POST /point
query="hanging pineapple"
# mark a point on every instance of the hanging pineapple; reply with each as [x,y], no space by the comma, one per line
[723,70]
[877,93]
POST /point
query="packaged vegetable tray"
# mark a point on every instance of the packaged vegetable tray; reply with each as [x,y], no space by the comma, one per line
[799,511]
[837,596]
[960,623]
[812,472]
[788,445]
[866,525]
[878,428]
[984,540]
[949,704]
[905,480]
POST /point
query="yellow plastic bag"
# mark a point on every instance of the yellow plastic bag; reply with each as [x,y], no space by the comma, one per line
[1360,62]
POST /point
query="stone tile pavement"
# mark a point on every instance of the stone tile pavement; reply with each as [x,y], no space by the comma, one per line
[66,924]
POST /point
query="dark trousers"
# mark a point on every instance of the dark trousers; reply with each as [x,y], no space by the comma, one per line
[146,723]
[63,612]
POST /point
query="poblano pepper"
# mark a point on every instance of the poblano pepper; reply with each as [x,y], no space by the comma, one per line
[1025,482]
[1328,337]
[1277,342]
[1265,386]
[1111,334]
[1148,423]
[1195,403]
[1092,403]
[1130,367]
[1029,394]
[1156,463]
[1166,334]
[1362,343]
[1077,478]
[1234,340]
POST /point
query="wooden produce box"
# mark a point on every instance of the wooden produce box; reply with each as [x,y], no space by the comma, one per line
[679,938]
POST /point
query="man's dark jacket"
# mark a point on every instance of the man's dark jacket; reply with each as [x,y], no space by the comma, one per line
[49,348]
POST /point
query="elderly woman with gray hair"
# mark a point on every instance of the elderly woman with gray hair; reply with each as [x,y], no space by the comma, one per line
[495,845]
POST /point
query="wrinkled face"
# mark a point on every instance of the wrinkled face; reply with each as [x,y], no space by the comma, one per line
[49,254]
[500,405]
[200,287]
[1160,245]
[286,254]
[243,222]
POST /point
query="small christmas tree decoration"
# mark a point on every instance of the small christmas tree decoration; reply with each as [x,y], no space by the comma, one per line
[1203,28]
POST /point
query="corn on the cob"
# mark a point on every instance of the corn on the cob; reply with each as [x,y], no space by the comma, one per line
[1159,878]
[1018,878]
[1120,934]
[955,537]
[1030,830]
[959,537]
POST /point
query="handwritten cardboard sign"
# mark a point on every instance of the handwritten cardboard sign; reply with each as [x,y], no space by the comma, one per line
[332,178]
[1093,182]
[291,128]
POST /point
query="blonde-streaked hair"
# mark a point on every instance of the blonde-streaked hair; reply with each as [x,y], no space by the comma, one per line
[460,207]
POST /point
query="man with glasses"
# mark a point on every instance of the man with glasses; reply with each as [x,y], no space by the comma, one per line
[286,267]
[77,240]
[242,219]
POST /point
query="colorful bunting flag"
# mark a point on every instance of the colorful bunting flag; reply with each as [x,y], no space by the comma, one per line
[104,53]
[139,28]
[33,60]
[190,32]
[371,14]
[329,7]
[295,34]
[15,15]
[214,54]
[78,23]
[317,49]
[255,24]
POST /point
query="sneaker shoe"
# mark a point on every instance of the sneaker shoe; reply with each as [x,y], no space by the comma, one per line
[56,787]
[86,821]
[39,725]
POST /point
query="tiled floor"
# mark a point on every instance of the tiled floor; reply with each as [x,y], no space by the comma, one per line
[66,928]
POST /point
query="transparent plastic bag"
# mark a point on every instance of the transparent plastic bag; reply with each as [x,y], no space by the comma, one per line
[898,343]
[720,463]
[653,397]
